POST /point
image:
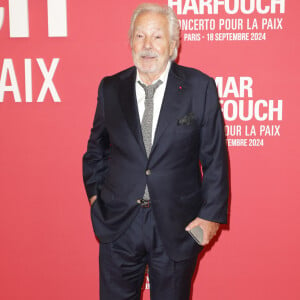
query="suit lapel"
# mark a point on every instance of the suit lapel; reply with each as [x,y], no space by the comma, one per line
[129,106]
[171,105]
[169,112]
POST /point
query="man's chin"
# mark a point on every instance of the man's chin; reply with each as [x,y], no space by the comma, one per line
[144,68]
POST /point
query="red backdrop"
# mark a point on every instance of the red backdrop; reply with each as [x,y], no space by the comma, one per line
[51,61]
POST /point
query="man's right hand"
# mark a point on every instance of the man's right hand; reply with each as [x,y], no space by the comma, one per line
[93,199]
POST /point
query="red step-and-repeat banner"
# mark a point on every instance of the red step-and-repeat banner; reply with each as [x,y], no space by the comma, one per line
[52,56]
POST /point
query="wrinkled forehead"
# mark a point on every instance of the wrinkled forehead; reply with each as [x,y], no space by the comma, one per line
[151,20]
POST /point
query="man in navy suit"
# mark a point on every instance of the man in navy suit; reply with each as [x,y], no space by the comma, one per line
[154,122]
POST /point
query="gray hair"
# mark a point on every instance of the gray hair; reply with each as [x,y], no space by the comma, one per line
[174,27]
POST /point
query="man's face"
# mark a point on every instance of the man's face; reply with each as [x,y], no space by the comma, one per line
[151,46]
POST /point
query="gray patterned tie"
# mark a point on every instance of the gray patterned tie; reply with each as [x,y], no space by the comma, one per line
[147,120]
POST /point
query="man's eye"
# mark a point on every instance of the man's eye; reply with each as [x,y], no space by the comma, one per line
[139,35]
[158,36]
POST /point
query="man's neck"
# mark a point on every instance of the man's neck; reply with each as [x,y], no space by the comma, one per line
[148,78]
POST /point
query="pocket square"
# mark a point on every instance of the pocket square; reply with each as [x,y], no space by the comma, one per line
[186,120]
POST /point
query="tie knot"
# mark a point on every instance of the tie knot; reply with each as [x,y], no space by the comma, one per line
[150,89]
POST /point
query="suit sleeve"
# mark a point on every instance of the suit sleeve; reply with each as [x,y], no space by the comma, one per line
[96,158]
[214,159]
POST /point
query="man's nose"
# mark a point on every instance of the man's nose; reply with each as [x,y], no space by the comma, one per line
[147,43]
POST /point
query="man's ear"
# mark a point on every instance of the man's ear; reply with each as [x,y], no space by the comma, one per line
[172,47]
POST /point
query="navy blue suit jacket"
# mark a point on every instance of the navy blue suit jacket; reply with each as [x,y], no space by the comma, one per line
[190,129]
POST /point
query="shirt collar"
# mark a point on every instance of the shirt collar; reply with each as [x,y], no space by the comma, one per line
[163,77]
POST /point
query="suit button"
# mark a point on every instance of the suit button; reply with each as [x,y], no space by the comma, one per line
[148,172]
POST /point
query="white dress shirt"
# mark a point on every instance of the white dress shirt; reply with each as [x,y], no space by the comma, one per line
[157,98]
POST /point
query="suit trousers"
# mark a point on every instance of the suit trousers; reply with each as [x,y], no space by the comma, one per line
[123,262]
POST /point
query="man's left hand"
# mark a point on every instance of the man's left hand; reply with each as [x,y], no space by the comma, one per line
[209,228]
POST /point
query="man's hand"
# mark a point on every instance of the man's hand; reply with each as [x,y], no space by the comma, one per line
[209,228]
[93,199]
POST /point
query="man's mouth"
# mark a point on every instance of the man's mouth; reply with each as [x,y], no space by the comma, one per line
[147,57]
